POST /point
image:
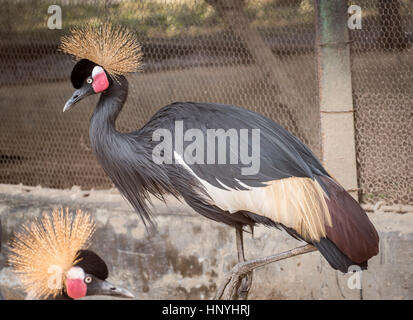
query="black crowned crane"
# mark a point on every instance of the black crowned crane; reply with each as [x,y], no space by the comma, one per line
[290,190]
[51,259]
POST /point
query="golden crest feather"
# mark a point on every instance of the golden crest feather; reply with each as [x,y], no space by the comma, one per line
[43,251]
[114,48]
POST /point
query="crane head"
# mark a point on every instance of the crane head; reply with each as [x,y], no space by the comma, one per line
[88,78]
[88,277]
[50,257]
[104,51]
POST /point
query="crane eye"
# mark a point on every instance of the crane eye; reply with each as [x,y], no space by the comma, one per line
[88,280]
[89,80]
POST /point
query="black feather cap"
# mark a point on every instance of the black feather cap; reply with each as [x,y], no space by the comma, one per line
[91,263]
[82,69]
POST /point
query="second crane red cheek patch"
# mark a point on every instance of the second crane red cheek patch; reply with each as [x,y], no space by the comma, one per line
[76,288]
[100,80]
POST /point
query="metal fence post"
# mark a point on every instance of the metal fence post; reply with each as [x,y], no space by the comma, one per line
[335,93]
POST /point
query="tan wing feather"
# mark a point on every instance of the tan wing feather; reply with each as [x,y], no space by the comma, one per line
[296,202]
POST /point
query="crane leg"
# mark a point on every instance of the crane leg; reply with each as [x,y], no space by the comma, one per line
[246,281]
[229,288]
[241,287]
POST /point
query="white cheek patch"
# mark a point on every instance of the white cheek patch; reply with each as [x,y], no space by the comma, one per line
[97,70]
[75,273]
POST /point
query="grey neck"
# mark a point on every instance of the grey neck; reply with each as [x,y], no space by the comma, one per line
[112,101]
[102,123]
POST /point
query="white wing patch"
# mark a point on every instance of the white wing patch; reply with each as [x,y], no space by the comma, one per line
[296,202]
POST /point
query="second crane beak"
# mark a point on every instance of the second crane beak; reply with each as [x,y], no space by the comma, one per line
[78,95]
[105,288]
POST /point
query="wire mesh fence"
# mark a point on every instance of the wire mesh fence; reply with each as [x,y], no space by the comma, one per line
[255,54]
[382,75]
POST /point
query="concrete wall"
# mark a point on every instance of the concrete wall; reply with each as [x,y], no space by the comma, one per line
[189,254]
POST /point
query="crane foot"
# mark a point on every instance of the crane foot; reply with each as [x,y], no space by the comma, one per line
[237,283]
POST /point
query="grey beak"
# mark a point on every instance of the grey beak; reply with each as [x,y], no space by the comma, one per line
[108,289]
[78,95]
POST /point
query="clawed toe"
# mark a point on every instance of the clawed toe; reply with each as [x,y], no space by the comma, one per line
[237,283]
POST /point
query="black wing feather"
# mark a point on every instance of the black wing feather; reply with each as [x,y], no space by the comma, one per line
[281,154]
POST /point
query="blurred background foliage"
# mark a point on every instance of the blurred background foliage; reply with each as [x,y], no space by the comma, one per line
[155,18]
[161,18]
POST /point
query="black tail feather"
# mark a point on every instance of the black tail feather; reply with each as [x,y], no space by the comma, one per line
[335,257]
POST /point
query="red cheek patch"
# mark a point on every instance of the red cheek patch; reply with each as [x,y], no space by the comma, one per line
[100,82]
[76,288]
